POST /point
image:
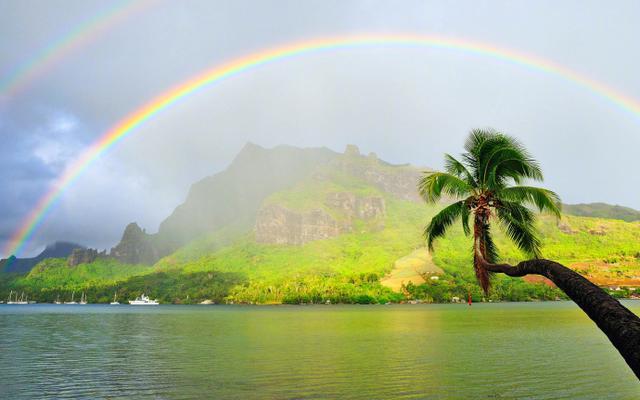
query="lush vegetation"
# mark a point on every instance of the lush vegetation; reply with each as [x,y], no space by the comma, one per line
[345,269]
[228,265]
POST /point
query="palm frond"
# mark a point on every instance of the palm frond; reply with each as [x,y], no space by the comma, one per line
[510,164]
[455,167]
[523,233]
[465,215]
[435,184]
[543,199]
[508,159]
[442,221]
[475,147]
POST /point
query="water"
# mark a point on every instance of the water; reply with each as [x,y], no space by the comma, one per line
[487,351]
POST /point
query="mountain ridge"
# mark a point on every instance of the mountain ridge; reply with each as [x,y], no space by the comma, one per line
[321,226]
[602,210]
[56,249]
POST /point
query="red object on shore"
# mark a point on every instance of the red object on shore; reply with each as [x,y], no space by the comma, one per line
[469,298]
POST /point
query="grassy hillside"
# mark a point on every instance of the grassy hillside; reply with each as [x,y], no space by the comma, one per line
[347,268]
[602,210]
[367,264]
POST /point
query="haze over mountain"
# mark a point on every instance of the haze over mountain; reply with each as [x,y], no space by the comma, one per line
[297,225]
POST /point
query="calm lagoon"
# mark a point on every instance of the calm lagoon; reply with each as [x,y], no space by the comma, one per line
[507,351]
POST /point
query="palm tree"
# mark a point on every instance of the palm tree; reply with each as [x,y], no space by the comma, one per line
[487,185]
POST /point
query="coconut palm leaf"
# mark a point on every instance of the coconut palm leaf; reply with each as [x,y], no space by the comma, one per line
[518,225]
[455,167]
[436,184]
[442,221]
[542,199]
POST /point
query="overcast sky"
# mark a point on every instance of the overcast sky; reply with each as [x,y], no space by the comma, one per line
[405,104]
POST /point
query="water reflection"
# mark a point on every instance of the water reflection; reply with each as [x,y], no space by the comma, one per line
[548,350]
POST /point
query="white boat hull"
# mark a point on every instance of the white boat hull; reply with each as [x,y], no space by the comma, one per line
[143,301]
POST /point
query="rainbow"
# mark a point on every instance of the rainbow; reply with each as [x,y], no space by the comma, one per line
[218,73]
[24,74]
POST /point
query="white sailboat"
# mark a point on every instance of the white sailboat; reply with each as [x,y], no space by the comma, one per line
[114,302]
[72,301]
[15,299]
[143,301]
[57,300]
[83,299]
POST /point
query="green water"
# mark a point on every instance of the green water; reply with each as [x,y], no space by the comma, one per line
[487,351]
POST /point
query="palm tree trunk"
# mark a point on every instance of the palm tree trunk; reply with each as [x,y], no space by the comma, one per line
[480,234]
[621,326]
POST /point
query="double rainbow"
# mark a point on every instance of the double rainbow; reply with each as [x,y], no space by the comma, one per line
[76,38]
[218,73]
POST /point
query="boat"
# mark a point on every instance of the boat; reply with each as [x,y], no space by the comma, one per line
[57,300]
[15,300]
[114,302]
[143,301]
[72,301]
[83,299]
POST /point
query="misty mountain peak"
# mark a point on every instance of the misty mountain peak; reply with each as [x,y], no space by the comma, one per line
[351,150]
[249,149]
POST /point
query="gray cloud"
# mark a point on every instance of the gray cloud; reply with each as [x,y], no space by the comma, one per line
[406,104]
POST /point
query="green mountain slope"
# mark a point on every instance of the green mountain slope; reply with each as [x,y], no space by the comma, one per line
[602,210]
[348,229]
[24,265]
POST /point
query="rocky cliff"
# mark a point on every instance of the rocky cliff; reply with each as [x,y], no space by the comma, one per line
[84,256]
[135,247]
[236,196]
[353,206]
[276,224]
[398,180]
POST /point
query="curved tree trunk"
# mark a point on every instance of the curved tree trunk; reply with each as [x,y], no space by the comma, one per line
[621,326]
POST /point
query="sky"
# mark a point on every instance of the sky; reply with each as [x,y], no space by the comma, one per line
[406,104]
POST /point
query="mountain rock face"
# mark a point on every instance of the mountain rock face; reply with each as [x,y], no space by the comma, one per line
[135,247]
[356,207]
[236,194]
[236,197]
[24,265]
[231,197]
[400,181]
[84,256]
[278,225]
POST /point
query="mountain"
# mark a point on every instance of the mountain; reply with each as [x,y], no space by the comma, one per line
[24,265]
[289,225]
[602,210]
[231,197]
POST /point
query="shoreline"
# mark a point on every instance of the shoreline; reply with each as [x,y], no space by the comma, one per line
[116,306]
